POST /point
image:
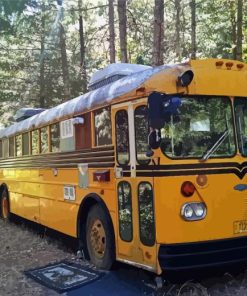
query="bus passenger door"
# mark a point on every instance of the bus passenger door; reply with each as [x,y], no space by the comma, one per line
[135,205]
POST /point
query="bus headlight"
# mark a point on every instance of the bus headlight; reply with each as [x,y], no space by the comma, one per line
[193,211]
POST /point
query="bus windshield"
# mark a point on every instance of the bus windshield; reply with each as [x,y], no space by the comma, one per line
[201,127]
[240,106]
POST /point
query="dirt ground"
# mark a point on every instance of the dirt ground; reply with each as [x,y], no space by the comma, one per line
[24,246]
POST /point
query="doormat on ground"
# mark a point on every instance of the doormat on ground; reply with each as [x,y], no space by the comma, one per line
[64,276]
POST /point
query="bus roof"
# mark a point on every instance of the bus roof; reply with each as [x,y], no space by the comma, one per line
[110,93]
[99,97]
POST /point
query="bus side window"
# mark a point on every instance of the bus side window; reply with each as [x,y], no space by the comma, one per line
[25,144]
[55,137]
[141,134]
[146,213]
[102,124]
[11,146]
[44,145]
[1,148]
[5,148]
[122,137]
[35,142]
[125,211]
[83,133]
[18,145]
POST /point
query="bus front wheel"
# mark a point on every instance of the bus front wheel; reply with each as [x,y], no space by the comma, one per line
[5,210]
[100,238]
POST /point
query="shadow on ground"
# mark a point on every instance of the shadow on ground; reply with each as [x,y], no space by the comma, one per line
[127,280]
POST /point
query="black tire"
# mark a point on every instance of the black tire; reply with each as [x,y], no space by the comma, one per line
[101,248]
[4,206]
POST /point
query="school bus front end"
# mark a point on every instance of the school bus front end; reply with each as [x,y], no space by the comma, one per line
[199,168]
[206,229]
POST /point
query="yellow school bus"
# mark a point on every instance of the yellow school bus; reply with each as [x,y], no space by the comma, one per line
[148,167]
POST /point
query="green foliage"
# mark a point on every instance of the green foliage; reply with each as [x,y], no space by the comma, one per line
[22,33]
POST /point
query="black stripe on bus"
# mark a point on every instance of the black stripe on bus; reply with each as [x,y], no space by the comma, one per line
[188,169]
[62,165]
[94,157]
[240,175]
[189,166]
[236,165]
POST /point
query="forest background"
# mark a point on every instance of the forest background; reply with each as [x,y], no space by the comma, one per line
[49,49]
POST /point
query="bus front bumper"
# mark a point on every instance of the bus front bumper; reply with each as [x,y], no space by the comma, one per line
[205,254]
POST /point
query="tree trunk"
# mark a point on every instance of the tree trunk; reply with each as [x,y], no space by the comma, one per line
[158,33]
[178,28]
[42,60]
[123,30]
[193,29]
[239,30]
[112,32]
[234,28]
[65,68]
[82,49]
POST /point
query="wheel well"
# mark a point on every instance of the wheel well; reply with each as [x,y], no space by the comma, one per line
[87,203]
[2,188]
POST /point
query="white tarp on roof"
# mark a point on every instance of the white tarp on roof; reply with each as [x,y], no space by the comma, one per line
[100,96]
[124,69]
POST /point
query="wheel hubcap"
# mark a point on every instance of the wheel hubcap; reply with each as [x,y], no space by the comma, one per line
[98,238]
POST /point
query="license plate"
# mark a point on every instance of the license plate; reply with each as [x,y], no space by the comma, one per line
[240,226]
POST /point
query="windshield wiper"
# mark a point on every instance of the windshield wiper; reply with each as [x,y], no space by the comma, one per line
[216,145]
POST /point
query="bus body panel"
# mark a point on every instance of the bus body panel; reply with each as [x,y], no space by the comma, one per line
[225,206]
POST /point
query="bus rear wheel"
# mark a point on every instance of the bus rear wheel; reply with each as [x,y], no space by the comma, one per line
[5,210]
[100,238]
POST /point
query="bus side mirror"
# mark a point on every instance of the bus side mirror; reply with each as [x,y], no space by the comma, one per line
[155,110]
[154,139]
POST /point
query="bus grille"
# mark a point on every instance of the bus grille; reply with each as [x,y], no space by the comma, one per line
[203,254]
